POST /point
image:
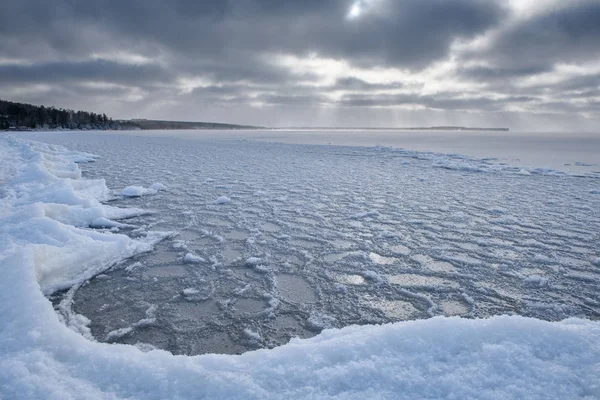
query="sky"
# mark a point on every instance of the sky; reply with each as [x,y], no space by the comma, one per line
[522,64]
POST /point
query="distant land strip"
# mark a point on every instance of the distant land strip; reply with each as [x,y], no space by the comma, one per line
[149,124]
[27,117]
[396,128]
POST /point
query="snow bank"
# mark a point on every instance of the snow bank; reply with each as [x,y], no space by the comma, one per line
[501,357]
[47,212]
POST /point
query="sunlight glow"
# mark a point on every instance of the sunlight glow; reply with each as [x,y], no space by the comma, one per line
[355,11]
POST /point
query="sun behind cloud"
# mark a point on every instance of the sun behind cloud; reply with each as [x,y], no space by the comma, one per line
[355,10]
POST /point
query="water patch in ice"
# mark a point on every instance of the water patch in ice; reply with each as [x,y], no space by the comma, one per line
[295,289]
[396,309]
[236,235]
[399,249]
[432,264]
[342,244]
[452,308]
[250,305]
[167,271]
[218,222]
[335,256]
[303,243]
[379,259]
[231,255]
[187,235]
[270,227]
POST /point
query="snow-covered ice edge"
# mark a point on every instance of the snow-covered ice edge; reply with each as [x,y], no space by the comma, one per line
[46,244]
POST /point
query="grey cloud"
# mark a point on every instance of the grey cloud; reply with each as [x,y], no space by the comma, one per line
[351,83]
[229,43]
[404,32]
[502,73]
[569,34]
[87,71]
[443,101]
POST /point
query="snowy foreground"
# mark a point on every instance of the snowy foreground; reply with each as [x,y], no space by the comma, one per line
[46,245]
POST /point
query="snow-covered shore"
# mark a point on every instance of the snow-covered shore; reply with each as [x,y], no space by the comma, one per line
[46,245]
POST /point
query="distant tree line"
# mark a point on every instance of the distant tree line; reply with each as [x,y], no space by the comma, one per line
[27,116]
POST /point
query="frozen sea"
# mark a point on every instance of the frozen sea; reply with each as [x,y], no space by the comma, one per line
[199,242]
[277,234]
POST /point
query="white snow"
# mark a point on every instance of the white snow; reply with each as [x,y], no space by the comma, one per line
[137,191]
[40,253]
[53,233]
[253,261]
[223,200]
[252,335]
[192,258]
[319,321]
[190,291]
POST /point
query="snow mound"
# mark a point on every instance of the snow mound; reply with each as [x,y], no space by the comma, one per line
[138,191]
[48,213]
[252,335]
[321,321]
[223,200]
[253,261]
[191,258]
[190,292]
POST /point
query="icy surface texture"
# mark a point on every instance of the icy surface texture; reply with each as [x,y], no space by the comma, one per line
[315,237]
[304,243]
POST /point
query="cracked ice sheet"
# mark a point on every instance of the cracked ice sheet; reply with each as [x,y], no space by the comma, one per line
[401,231]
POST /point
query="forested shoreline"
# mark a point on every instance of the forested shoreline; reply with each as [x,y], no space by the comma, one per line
[21,116]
